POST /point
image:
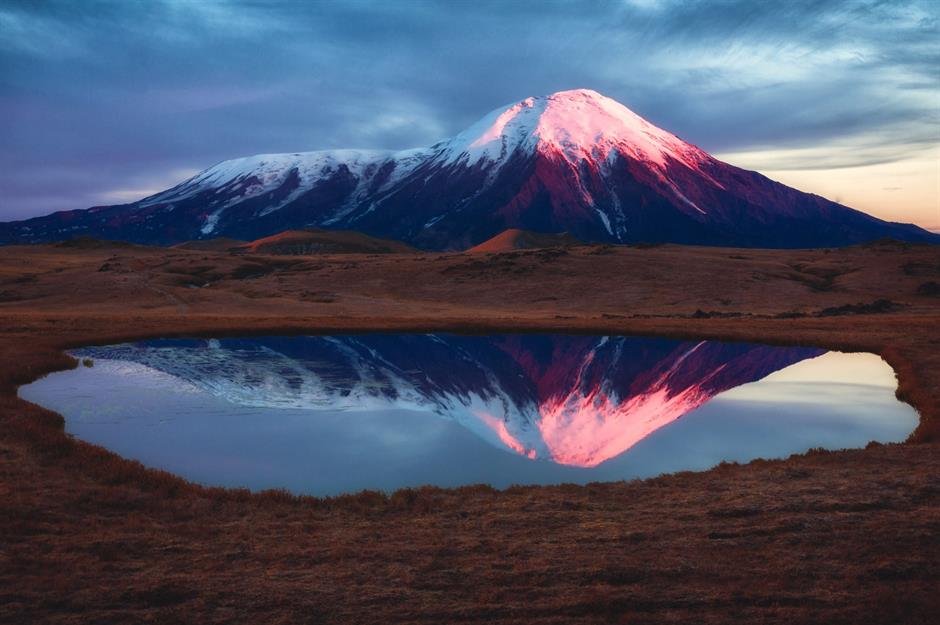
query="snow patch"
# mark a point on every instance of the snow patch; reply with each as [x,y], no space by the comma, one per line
[604,218]
[212,220]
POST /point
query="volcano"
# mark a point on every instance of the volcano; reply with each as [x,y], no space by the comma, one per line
[574,161]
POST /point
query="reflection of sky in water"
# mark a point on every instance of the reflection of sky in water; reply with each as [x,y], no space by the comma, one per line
[835,400]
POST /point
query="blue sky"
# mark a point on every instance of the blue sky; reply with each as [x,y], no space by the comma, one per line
[104,102]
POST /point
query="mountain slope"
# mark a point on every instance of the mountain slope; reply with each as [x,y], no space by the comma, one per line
[574,161]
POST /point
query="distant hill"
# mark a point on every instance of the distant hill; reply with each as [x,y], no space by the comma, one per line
[314,241]
[220,244]
[92,243]
[515,239]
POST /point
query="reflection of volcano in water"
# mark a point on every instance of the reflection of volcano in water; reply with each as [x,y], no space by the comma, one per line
[575,400]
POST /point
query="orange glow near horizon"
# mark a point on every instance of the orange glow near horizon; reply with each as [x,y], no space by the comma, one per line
[906,190]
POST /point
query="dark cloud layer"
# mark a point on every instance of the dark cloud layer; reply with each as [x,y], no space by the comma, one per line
[103,100]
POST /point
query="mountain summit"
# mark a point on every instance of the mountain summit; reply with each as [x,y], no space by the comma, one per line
[578,124]
[574,161]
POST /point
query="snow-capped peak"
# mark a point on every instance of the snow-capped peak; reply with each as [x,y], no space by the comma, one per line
[579,124]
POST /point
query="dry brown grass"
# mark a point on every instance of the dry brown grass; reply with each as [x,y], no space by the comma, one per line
[840,537]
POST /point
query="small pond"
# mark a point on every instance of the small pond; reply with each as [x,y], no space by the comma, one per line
[325,415]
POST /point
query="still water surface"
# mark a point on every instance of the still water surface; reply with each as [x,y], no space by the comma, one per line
[332,414]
